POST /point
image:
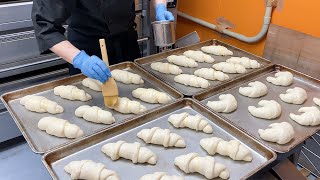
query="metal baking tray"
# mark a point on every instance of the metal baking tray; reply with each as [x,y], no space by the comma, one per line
[145,63]
[244,120]
[90,148]
[39,141]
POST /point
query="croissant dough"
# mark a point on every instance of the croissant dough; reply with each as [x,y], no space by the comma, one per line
[229,68]
[199,56]
[310,116]
[90,170]
[126,77]
[160,176]
[132,151]
[59,127]
[233,148]
[182,61]
[40,104]
[94,114]
[217,50]
[72,93]
[92,84]
[280,133]
[211,74]
[192,80]
[255,89]
[206,166]
[162,137]
[193,122]
[295,95]
[281,79]
[316,101]
[166,68]
[151,95]
[126,106]
[227,103]
[268,110]
[244,61]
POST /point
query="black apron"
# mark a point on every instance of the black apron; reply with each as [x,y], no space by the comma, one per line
[121,40]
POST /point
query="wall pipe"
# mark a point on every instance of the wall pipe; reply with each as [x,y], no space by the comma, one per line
[253,39]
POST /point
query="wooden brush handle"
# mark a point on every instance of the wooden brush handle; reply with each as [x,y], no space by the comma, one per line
[104,52]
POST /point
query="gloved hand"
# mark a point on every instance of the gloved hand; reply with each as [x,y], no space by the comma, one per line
[162,14]
[93,67]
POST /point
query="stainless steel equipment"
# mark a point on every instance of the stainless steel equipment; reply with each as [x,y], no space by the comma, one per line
[164,34]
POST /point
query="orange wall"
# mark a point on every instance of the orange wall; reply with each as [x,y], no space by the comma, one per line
[248,17]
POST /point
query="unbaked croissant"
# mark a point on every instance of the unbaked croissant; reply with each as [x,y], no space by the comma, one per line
[94,114]
[59,127]
[268,110]
[217,50]
[126,106]
[126,77]
[206,166]
[192,80]
[162,137]
[132,151]
[244,61]
[199,56]
[182,61]
[229,68]
[227,103]
[40,104]
[310,116]
[280,133]
[160,176]
[281,79]
[166,68]
[90,170]
[296,95]
[316,101]
[255,89]
[193,122]
[211,74]
[151,95]
[71,92]
[234,149]
[92,84]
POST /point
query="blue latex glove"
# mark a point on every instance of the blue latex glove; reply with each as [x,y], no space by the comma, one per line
[162,14]
[92,66]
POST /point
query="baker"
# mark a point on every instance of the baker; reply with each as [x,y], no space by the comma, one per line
[89,21]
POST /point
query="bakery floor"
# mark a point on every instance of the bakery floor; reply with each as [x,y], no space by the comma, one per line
[17,161]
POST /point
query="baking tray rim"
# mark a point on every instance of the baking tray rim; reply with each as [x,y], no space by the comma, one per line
[173,51]
[186,101]
[76,77]
[265,69]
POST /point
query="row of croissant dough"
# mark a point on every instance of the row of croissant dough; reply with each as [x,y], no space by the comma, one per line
[87,169]
[280,133]
[62,128]
[201,76]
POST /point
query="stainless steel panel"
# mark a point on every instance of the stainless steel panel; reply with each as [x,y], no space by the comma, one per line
[19,162]
[90,148]
[8,129]
[38,140]
[15,15]
[250,124]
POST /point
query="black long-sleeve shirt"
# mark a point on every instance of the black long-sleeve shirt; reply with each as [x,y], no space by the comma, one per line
[91,19]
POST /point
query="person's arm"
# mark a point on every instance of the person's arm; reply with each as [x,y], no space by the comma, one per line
[162,14]
[48,17]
